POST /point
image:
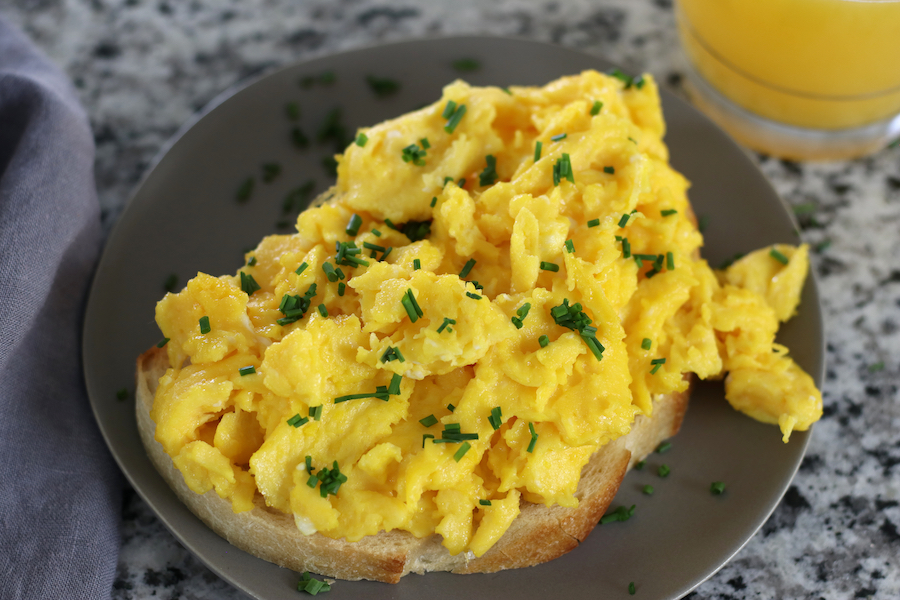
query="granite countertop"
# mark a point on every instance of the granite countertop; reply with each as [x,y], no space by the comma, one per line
[143,67]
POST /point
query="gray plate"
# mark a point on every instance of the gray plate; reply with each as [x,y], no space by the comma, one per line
[184,218]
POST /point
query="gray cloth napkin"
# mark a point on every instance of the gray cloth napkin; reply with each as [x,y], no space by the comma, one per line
[60,491]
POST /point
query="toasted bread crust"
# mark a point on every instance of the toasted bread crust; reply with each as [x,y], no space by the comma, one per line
[538,534]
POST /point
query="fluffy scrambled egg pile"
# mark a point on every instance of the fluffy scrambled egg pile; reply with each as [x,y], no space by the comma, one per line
[499,283]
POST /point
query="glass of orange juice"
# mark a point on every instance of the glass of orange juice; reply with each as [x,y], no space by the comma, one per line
[802,79]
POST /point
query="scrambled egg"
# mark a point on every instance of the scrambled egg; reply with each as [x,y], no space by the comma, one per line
[498,285]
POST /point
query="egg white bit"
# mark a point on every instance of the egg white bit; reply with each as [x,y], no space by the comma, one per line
[304,524]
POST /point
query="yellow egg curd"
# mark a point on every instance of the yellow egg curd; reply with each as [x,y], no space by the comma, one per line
[497,285]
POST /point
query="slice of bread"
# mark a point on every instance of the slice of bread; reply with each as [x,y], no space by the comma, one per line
[538,534]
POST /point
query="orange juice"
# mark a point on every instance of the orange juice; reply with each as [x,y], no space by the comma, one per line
[818,64]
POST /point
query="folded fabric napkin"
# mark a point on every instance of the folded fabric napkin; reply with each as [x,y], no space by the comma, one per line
[60,491]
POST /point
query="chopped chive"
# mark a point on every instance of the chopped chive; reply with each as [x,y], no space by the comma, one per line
[466,64]
[204,325]
[537,150]
[549,266]
[663,470]
[447,180]
[329,271]
[299,139]
[823,246]
[428,421]
[570,246]
[376,233]
[462,451]
[245,190]
[609,170]
[170,283]
[455,118]
[467,268]
[473,296]
[451,408]
[270,172]
[386,252]
[449,109]
[483,502]
[648,490]
[619,514]
[717,488]
[626,248]
[315,412]
[410,310]
[496,418]
[301,268]
[361,139]
[382,86]
[506,91]
[562,169]
[668,211]
[433,201]
[161,343]
[624,220]
[394,388]
[249,370]
[248,284]
[657,363]
[342,287]
[670,261]
[251,262]
[558,137]
[323,311]
[425,143]
[805,208]
[417,264]
[593,223]
[543,341]
[489,175]
[633,140]
[445,323]
[631,589]
[534,437]
[353,225]
[297,421]
[369,246]
[664,447]
[413,154]
[311,585]
[415,304]
[461,183]
[875,367]
[778,256]
[639,466]
[595,109]
[646,344]
[122,394]
[703,223]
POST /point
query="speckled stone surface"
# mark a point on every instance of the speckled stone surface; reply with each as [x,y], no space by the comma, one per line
[144,66]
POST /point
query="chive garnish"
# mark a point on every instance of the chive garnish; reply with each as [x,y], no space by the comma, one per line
[122,394]
[315,412]
[496,418]
[467,268]
[342,287]
[447,180]
[646,343]
[537,150]
[428,421]
[449,109]
[670,261]
[297,421]
[462,451]
[521,313]
[245,190]
[425,436]
[717,488]
[778,256]
[489,175]
[609,170]
[410,309]
[648,490]
[299,139]
[251,262]
[301,268]
[543,341]
[329,271]
[394,387]
[626,248]
[549,266]
[562,169]
[382,86]
[170,283]
[657,363]
[595,109]
[461,183]
[624,220]
[425,143]
[204,325]
[466,64]
[354,225]
[506,91]
[663,470]
[361,139]
[311,585]
[619,514]
[413,154]
[558,137]
[161,343]
[323,311]
[639,466]
[370,246]
[249,370]
[417,264]
[473,296]
[483,502]
[454,117]
[376,233]
[534,437]
[668,211]
[702,223]
[570,246]
[415,304]
[452,408]
[663,447]
[593,223]
[574,318]
[631,588]
[445,323]
[248,284]
[270,172]
[386,252]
